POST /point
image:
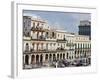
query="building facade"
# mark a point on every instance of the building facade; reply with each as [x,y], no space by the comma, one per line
[43,45]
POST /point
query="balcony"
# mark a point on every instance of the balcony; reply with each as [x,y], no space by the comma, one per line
[61,40]
[27,51]
[61,49]
[38,28]
[43,51]
[70,44]
[40,38]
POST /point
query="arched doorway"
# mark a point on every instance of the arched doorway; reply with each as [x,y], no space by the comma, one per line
[32,59]
[37,58]
[50,57]
[26,59]
[63,56]
[46,57]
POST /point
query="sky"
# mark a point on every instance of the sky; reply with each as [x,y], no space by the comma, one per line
[67,21]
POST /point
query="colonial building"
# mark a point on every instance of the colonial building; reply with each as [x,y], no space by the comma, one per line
[43,45]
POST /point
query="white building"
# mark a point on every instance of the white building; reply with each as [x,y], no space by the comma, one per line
[44,44]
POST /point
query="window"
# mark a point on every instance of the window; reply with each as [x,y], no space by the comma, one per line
[58,35]
[58,44]
[54,44]
[50,44]
[38,24]
[53,34]
[27,47]
[33,24]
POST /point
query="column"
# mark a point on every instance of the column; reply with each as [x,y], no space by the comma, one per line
[23,59]
[35,46]
[37,35]
[41,46]
[62,56]
[65,56]
[43,58]
[39,57]
[44,35]
[48,57]
[52,57]
[29,59]
[34,58]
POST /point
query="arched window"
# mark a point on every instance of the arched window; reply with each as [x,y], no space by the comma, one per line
[27,47]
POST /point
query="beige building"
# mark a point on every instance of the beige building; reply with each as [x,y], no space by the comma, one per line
[42,44]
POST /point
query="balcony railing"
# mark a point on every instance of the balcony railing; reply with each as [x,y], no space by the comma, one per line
[39,38]
[61,40]
[43,51]
[38,28]
[70,44]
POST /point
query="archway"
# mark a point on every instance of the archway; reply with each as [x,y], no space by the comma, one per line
[33,59]
[50,57]
[26,59]
[63,56]
[37,58]
[46,57]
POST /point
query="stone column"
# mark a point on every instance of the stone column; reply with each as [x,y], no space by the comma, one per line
[43,58]
[35,46]
[37,35]
[39,57]
[42,46]
[62,56]
[23,59]
[65,55]
[34,58]
[29,59]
